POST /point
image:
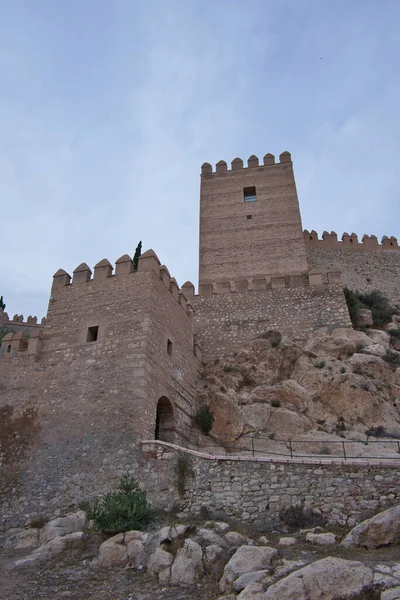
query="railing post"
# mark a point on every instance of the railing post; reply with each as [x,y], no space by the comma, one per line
[252,444]
[291,449]
[398,447]
[344,451]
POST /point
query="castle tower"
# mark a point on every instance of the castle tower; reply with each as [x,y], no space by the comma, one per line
[250,221]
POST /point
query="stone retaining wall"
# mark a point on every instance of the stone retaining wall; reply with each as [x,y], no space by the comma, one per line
[255,491]
[224,322]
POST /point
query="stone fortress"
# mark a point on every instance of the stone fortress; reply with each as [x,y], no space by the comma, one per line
[118,356]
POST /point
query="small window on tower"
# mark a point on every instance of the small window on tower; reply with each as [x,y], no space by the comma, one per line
[249,194]
[169,347]
[92,333]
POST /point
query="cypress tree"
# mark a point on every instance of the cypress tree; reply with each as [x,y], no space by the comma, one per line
[136,256]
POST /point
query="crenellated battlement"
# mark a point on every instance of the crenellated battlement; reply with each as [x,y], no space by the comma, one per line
[314,277]
[349,242]
[252,162]
[124,267]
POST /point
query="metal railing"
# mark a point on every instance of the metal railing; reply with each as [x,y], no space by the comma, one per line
[256,445]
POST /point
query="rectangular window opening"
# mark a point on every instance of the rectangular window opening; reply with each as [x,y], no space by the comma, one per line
[169,347]
[249,217]
[92,333]
[249,194]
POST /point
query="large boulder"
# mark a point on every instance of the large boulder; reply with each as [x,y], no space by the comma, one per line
[113,552]
[54,547]
[392,594]
[381,530]
[245,560]
[188,564]
[62,526]
[159,561]
[322,539]
[329,578]
[26,539]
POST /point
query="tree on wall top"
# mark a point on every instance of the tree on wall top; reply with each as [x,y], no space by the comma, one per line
[137,254]
[2,303]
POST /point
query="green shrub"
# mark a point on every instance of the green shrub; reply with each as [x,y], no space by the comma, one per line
[375,301]
[393,358]
[275,403]
[378,431]
[320,364]
[275,343]
[353,304]
[204,419]
[296,517]
[229,369]
[183,470]
[119,511]
[343,370]
[394,334]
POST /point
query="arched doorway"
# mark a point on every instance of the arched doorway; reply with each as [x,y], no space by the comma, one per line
[164,420]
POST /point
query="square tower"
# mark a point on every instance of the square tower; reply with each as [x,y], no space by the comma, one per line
[250,221]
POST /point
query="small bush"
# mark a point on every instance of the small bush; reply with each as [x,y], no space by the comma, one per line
[357,371]
[353,304]
[38,523]
[119,511]
[296,517]
[222,388]
[340,425]
[275,343]
[370,375]
[364,386]
[204,419]
[324,450]
[392,358]
[271,436]
[319,365]
[378,432]
[375,301]
[183,470]
[229,369]
[343,370]
[275,403]
[394,334]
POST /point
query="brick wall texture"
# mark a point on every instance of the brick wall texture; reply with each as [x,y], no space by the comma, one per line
[271,241]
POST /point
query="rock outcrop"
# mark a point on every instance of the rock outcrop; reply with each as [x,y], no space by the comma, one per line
[381,530]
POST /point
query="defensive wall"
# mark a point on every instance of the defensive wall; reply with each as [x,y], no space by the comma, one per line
[367,265]
[17,323]
[250,219]
[231,312]
[256,490]
[115,352]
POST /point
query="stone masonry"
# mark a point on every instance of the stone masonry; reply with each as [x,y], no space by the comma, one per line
[365,266]
[245,235]
[256,491]
[119,354]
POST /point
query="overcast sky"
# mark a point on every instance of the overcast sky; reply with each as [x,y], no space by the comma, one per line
[108,108]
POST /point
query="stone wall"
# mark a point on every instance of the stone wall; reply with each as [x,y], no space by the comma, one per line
[255,491]
[224,321]
[248,238]
[365,266]
[73,413]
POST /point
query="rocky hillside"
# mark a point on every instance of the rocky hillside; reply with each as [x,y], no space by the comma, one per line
[341,384]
